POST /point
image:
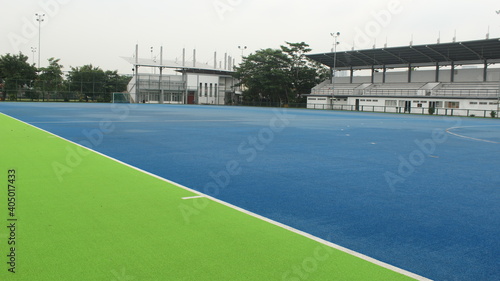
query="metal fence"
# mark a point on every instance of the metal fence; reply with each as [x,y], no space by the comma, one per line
[66,96]
[54,96]
[41,90]
[385,109]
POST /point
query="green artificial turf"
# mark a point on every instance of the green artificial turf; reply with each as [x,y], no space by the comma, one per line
[82,216]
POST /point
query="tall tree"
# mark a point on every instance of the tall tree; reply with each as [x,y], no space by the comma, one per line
[115,83]
[50,78]
[95,84]
[305,73]
[88,80]
[265,76]
[280,75]
[16,74]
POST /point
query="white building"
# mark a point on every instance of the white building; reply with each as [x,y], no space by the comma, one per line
[192,83]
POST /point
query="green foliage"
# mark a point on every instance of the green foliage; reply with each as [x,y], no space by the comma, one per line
[305,73]
[50,79]
[16,74]
[95,84]
[279,75]
[115,83]
[87,80]
[431,110]
[19,79]
[493,114]
[265,75]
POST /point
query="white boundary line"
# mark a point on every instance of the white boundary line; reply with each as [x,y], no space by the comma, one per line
[471,138]
[289,228]
[193,197]
[188,120]
[146,121]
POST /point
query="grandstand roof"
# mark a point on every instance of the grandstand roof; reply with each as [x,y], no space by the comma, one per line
[469,52]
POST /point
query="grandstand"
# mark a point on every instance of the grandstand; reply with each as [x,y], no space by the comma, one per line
[459,80]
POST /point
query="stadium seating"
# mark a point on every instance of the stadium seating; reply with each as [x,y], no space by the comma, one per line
[455,89]
[469,89]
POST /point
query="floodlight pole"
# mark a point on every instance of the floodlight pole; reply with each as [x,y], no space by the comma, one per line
[334,50]
[137,90]
[242,48]
[33,50]
[498,95]
[39,19]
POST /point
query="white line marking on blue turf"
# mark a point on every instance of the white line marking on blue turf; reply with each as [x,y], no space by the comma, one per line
[289,228]
[184,120]
[145,121]
[193,197]
[471,138]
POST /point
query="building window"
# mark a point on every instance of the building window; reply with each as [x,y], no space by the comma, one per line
[216,90]
[311,98]
[452,104]
[473,102]
[211,89]
[391,103]
[206,89]
[200,90]
[483,103]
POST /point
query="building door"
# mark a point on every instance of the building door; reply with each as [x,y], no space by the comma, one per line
[408,106]
[191,97]
[357,104]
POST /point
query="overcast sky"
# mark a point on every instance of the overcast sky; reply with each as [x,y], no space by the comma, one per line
[99,32]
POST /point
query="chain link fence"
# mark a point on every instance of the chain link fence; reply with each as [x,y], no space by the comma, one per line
[47,91]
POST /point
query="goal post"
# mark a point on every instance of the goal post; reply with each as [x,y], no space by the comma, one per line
[122,98]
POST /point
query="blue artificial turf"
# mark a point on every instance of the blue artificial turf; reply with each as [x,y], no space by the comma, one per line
[397,188]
